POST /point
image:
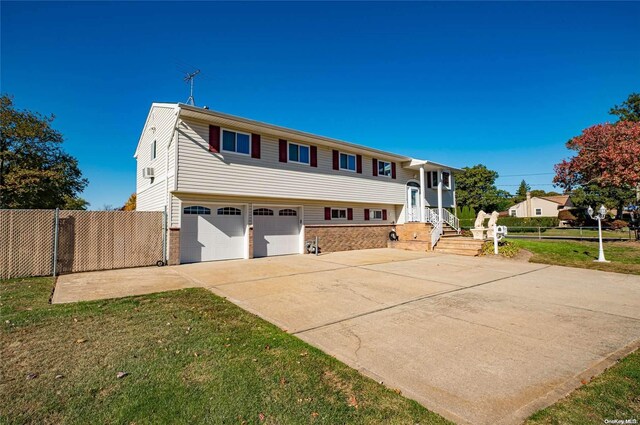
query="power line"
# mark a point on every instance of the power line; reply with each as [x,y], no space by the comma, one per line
[520,175]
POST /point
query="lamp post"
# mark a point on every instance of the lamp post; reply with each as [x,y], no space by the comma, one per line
[599,216]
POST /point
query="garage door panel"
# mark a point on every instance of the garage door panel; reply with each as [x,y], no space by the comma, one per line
[208,235]
[275,234]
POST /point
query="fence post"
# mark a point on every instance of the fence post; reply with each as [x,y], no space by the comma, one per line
[164,236]
[316,246]
[56,226]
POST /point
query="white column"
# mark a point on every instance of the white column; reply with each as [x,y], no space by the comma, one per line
[440,195]
[423,213]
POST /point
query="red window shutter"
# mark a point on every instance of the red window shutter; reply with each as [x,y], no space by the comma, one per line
[336,160]
[384,214]
[283,150]
[375,166]
[214,138]
[327,213]
[359,164]
[393,170]
[349,213]
[255,146]
[366,214]
[314,156]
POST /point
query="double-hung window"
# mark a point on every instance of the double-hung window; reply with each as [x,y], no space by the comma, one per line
[233,141]
[347,162]
[512,213]
[384,168]
[538,211]
[298,153]
[376,214]
[446,180]
[338,213]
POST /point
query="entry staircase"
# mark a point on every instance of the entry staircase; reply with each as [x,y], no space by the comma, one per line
[436,235]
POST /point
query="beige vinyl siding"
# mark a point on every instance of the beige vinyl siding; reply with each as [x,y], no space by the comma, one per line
[159,127]
[313,211]
[549,208]
[237,174]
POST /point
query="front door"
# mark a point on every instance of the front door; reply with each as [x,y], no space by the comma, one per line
[413,204]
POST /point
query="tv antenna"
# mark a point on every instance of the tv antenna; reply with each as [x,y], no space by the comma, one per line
[189,80]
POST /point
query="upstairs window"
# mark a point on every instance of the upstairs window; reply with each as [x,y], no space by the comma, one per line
[432,179]
[446,180]
[384,168]
[197,209]
[338,213]
[233,141]
[347,162]
[298,153]
[229,211]
[262,211]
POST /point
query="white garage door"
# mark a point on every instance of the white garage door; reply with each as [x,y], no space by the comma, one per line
[276,231]
[211,232]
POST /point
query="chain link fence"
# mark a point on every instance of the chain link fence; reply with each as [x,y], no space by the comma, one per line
[85,241]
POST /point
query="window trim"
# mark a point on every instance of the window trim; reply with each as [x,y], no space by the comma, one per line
[288,212]
[227,211]
[298,145]
[154,149]
[372,213]
[355,162]
[381,161]
[513,213]
[346,216]
[536,212]
[235,141]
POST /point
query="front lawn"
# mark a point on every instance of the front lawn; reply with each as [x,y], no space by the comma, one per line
[624,256]
[614,395]
[189,356]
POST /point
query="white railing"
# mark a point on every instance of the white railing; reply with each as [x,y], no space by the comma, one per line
[450,219]
[436,232]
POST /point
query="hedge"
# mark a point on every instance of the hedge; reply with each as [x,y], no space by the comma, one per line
[514,222]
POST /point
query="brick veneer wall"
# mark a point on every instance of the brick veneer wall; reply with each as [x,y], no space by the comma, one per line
[174,246]
[349,237]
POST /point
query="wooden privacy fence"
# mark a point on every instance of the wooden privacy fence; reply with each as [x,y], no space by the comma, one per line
[85,240]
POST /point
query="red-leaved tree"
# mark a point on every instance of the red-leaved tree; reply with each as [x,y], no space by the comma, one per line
[607,154]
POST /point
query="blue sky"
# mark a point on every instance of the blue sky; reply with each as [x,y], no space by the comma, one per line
[503,84]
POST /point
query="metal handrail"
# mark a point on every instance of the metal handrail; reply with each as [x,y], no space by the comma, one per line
[436,232]
[449,218]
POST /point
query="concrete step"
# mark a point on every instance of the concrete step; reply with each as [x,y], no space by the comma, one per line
[459,251]
[410,245]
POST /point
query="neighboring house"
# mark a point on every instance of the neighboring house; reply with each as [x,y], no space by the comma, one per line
[238,188]
[541,206]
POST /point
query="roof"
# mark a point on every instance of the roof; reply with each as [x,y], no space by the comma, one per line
[195,112]
[559,199]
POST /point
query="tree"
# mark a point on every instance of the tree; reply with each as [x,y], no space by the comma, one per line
[629,110]
[130,205]
[75,203]
[606,164]
[521,193]
[475,188]
[34,170]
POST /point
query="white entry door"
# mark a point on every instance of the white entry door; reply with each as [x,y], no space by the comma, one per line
[211,232]
[276,231]
[413,204]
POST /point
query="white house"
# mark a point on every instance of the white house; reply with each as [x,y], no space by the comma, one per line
[541,206]
[238,188]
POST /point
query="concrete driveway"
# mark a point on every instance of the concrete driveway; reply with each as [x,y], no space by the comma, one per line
[477,340]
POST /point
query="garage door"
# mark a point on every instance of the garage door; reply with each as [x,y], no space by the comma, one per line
[211,232]
[276,231]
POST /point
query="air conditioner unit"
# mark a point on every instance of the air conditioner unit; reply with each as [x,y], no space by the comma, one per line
[148,173]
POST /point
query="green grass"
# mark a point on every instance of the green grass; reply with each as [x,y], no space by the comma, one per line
[613,395]
[624,256]
[192,357]
[575,233]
